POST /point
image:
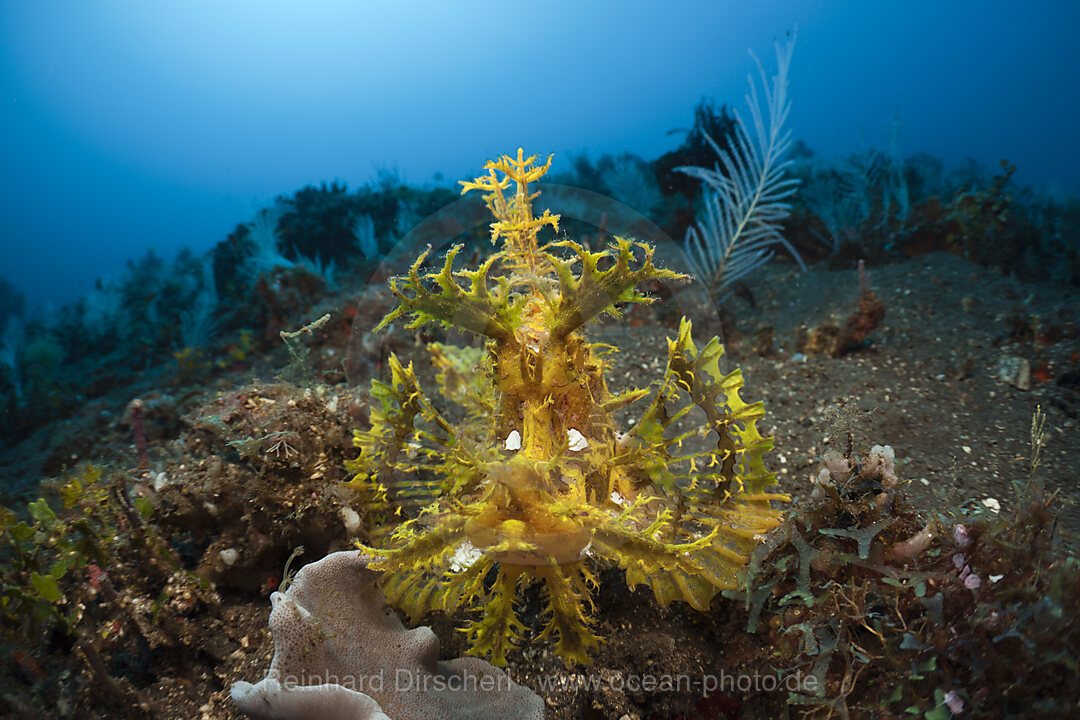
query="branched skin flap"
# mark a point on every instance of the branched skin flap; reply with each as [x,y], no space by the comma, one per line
[538,484]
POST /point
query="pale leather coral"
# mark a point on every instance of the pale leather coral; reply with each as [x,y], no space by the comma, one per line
[341,654]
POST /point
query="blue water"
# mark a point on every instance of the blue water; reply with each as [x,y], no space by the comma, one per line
[133,125]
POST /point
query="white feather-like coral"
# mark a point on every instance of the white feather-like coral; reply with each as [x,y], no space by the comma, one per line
[745,195]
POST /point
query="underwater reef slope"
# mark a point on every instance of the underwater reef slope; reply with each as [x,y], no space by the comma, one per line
[925,567]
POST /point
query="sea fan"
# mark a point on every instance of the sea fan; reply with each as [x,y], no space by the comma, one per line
[264,256]
[631,186]
[328,271]
[198,325]
[838,199]
[865,195]
[103,309]
[363,230]
[745,193]
[12,340]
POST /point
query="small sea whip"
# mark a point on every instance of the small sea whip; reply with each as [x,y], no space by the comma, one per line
[136,408]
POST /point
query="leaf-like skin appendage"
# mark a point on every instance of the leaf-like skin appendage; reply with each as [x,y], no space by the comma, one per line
[392,421]
[464,379]
[593,291]
[471,308]
[499,628]
[568,593]
[408,441]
